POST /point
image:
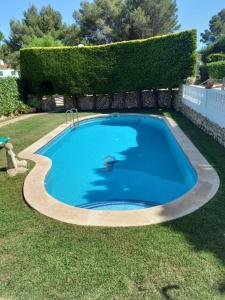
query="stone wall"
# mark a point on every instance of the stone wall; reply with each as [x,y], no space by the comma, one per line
[176,101]
[48,104]
[205,124]
[118,101]
[103,102]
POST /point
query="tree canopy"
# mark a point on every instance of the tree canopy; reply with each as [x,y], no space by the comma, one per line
[36,24]
[105,21]
[216,28]
[42,27]
[97,22]
[1,36]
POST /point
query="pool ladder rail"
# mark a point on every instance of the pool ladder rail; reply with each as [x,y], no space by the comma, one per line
[70,117]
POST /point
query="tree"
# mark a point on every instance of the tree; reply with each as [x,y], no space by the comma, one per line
[148,18]
[36,24]
[99,21]
[215,48]
[72,36]
[1,49]
[9,57]
[44,41]
[105,21]
[1,36]
[216,28]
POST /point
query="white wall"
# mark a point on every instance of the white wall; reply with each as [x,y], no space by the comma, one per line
[208,102]
[8,73]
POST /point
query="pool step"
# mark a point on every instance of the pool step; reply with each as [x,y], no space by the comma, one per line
[118,203]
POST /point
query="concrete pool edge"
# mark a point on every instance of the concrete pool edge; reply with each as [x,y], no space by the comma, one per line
[38,198]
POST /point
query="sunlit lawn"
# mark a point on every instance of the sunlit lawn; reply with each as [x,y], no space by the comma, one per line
[44,259]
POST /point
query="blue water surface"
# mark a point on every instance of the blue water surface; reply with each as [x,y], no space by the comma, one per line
[117,163]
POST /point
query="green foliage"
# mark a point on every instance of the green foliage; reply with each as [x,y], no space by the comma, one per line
[1,47]
[1,52]
[217,47]
[100,21]
[159,62]
[216,70]
[45,41]
[11,58]
[34,102]
[216,28]
[1,36]
[36,24]
[10,97]
[215,57]
[106,21]
[37,28]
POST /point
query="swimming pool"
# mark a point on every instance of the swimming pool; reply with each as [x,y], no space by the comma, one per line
[137,148]
[117,162]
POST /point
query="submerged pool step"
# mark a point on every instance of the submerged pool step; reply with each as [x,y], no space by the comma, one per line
[118,203]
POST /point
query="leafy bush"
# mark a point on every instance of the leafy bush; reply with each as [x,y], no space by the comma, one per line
[34,102]
[10,97]
[45,41]
[216,70]
[217,47]
[215,57]
[159,62]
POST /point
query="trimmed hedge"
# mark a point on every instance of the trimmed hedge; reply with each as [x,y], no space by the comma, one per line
[216,70]
[10,96]
[215,57]
[154,63]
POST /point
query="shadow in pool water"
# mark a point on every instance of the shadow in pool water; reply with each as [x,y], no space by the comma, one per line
[140,166]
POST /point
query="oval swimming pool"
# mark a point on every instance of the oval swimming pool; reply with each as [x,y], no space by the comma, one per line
[117,162]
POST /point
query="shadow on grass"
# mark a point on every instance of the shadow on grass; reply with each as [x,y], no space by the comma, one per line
[205,228]
[221,288]
[3,169]
[165,291]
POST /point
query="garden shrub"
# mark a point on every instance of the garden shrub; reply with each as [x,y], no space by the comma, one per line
[154,63]
[10,96]
[215,57]
[217,47]
[216,70]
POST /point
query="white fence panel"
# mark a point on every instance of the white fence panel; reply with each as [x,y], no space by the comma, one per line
[208,102]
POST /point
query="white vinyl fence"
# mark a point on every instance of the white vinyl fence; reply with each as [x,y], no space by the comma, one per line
[208,102]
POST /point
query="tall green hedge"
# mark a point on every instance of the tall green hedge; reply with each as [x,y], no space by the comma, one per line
[159,62]
[10,96]
[216,70]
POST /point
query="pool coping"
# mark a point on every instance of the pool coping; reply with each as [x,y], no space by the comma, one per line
[37,197]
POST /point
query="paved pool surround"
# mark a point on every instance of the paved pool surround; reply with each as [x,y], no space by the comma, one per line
[36,196]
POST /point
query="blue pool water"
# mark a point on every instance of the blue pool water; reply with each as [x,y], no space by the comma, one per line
[118,163]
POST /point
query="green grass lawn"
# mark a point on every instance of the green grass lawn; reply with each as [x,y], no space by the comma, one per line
[41,258]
